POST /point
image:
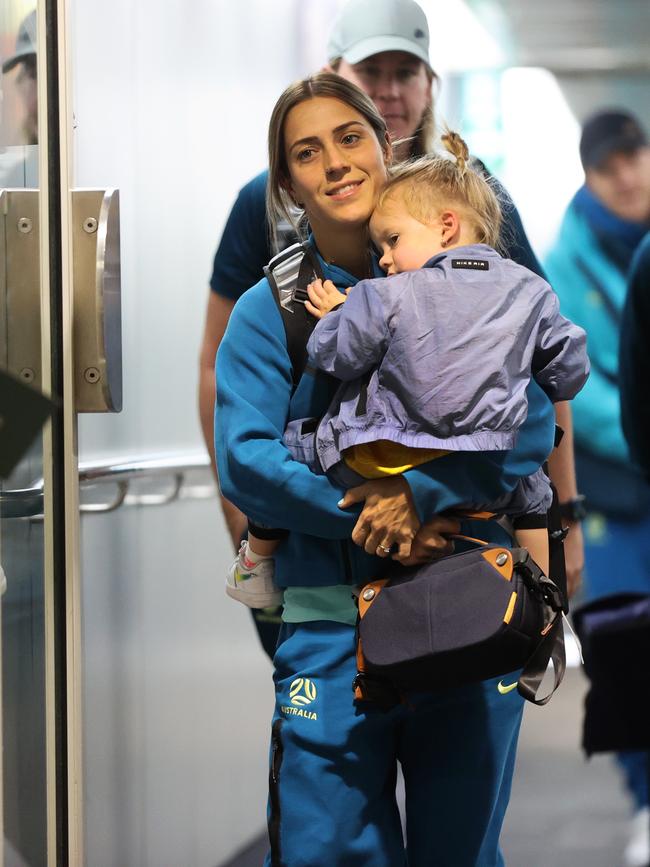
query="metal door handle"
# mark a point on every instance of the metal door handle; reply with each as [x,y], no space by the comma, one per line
[22,503]
[97,300]
[28,502]
[97,294]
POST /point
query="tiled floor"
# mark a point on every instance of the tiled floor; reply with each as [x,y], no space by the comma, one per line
[564,811]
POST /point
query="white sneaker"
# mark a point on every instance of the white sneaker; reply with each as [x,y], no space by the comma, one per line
[637,851]
[251,583]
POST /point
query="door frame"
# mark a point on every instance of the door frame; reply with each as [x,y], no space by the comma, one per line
[60,462]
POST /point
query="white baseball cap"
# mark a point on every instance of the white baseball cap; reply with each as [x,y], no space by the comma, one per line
[367,27]
[25,43]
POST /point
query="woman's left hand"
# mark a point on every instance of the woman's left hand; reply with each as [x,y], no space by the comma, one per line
[432,541]
[387,518]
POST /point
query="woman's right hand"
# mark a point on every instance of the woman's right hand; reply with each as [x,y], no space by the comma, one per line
[431,542]
[388,517]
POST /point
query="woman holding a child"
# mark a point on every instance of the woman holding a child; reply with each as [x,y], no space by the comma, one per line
[333,759]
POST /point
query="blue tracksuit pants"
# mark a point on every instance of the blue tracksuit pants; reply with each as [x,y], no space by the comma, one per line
[333,764]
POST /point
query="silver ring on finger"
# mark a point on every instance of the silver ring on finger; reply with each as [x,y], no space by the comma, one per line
[383,548]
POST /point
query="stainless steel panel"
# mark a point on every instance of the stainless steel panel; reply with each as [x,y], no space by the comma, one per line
[4,341]
[97,301]
[21,544]
[20,302]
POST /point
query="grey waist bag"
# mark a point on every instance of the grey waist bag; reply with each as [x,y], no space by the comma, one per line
[465,618]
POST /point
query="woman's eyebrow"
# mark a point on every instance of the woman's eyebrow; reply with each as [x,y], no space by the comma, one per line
[310,139]
[314,139]
[345,125]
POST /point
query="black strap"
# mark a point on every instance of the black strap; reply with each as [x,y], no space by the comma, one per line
[550,647]
[556,536]
[378,691]
[298,323]
[298,326]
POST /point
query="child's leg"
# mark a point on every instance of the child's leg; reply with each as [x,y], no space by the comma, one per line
[250,578]
[262,547]
[536,541]
[263,541]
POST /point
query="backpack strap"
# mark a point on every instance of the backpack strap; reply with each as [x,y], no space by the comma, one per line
[289,273]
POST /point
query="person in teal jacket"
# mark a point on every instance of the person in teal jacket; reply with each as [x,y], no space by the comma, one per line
[333,760]
[588,268]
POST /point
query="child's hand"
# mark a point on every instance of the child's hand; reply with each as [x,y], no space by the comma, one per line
[323,297]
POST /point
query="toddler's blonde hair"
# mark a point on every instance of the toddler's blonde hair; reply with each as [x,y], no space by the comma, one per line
[429,184]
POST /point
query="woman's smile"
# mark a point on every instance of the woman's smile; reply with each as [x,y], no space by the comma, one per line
[344,191]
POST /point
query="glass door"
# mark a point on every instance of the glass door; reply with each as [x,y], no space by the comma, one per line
[30,537]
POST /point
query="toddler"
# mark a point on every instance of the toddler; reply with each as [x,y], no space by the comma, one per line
[434,358]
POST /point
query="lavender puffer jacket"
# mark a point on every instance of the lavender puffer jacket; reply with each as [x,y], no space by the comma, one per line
[441,357]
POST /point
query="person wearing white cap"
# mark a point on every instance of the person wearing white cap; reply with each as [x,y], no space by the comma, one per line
[23,61]
[383,47]
[18,154]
